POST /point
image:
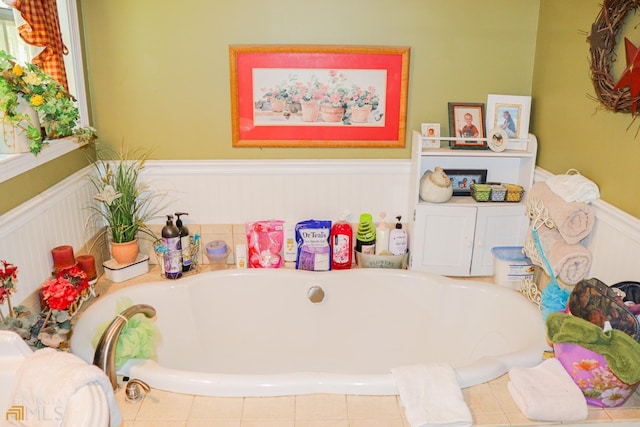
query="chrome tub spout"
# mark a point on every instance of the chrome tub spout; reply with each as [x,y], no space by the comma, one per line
[105,354]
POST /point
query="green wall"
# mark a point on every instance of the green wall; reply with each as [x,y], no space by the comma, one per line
[159,70]
[572,130]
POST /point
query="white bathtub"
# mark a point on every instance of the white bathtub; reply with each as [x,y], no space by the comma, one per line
[256,332]
[88,407]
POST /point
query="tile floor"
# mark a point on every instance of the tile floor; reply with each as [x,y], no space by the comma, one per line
[490,405]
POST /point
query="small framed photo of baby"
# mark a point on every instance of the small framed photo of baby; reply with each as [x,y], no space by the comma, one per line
[430,133]
[467,126]
[510,113]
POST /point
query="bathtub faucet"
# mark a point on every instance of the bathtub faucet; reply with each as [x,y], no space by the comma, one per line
[105,354]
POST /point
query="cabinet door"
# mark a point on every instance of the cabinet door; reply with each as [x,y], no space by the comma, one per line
[442,241]
[499,225]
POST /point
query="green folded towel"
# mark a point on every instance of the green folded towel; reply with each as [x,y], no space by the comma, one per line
[621,351]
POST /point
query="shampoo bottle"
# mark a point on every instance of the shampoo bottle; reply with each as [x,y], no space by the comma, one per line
[341,244]
[185,242]
[398,239]
[173,256]
[366,235]
[382,236]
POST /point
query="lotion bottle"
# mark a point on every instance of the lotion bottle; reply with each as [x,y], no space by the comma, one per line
[382,235]
[398,239]
[173,256]
[185,242]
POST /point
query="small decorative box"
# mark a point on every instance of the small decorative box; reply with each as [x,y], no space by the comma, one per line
[480,192]
[514,192]
[498,193]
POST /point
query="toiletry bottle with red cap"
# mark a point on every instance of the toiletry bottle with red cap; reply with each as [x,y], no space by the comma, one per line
[341,244]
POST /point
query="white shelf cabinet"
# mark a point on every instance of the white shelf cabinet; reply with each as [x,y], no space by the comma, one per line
[455,238]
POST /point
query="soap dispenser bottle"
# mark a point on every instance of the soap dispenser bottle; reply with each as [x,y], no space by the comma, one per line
[398,239]
[173,254]
[382,235]
[185,242]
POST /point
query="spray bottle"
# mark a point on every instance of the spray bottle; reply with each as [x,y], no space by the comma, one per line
[173,256]
[185,242]
[341,244]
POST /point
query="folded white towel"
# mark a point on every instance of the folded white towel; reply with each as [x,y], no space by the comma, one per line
[573,187]
[431,396]
[47,379]
[547,393]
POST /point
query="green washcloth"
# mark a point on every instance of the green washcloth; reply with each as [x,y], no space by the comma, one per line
[621,351]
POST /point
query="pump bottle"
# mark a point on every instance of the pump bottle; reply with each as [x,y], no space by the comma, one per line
[173,255]
[382,235]
[185,242]
[398,239]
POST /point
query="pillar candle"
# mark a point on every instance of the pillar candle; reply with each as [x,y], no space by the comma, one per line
[87,263]
[62,257]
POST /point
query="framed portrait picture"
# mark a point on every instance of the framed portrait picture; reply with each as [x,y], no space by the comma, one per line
[461,179]
[430,130]
[466,120]
[510,113]
[318,95]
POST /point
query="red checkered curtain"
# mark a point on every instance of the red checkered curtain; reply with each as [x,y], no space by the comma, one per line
[42,28]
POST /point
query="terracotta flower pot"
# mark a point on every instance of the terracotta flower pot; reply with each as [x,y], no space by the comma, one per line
[125,253]
[310,111]
[360,114]
[277,105]
[330,113]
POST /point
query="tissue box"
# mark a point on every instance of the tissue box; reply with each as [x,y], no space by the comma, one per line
[121,272]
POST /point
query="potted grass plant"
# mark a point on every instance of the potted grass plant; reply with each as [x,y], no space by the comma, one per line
[126,204]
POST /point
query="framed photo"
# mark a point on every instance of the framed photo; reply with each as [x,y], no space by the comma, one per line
[432,130]
[462,179]
[466,120]
[510,113]
[318,95]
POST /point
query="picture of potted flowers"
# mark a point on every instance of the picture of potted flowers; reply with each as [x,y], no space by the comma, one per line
[361,102]
[34,107]
[126,203]
[335,98]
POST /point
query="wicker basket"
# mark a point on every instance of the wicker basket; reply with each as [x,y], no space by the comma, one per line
[514,192]
[480,192]
[498,192]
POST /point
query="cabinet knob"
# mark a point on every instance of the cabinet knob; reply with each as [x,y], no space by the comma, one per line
[480,243]
[467,242]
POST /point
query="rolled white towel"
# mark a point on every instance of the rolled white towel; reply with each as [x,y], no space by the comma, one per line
[431,396]
[573,187]
[547,393]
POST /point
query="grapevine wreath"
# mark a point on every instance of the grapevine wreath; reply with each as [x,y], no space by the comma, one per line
[621,96]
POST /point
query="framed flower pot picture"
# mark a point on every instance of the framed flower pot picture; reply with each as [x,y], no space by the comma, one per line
[318,95]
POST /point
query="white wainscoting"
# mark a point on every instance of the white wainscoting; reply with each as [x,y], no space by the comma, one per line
[233,192]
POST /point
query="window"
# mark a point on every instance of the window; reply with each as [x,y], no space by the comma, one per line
[15,164]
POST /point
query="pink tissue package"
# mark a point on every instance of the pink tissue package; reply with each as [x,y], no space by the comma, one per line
[264,243]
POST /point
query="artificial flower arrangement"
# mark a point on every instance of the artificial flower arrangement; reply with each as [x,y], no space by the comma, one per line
[62,297]
[55,107]
[126,202]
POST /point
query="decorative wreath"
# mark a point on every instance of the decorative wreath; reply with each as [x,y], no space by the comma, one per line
[604,32]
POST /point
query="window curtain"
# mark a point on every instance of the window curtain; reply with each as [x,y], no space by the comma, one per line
[41,27]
